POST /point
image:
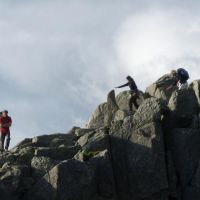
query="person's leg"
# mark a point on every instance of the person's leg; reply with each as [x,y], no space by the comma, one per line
[7,141]
[2,139]
[135,97]
[131,103]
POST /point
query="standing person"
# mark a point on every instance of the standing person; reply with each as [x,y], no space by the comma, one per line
[5,124]
[133,91]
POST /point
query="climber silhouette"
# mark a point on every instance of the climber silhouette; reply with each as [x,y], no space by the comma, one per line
[133,91]
[180,77]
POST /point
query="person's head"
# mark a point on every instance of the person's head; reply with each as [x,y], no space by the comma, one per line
[4,113]
[173,72]
[129,78]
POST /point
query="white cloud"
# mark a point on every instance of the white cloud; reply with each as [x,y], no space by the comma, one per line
[152,43]
[58,59]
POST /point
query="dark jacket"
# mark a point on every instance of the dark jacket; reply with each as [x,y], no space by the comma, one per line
[178,79]
[132,85]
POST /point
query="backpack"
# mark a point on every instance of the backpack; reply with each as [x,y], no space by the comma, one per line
[182,74]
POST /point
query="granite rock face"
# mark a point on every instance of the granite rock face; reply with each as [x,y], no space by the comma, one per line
[152,153]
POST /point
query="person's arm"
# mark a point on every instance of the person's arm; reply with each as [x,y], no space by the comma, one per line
[123,85]
[9,123]
[169,87]
[173,84]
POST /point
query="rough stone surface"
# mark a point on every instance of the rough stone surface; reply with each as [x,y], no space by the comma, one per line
[149,154]
[158,89]
[50,140]
[63,181]
[151,110]
[141,154]
[60,153]
[195,85]
[105,112]
[14,181]
[111,109]
[98,117]
[122,99]
[22,144]
[184,144]
[122,114]
[42,165]
[183,106]
[82,131]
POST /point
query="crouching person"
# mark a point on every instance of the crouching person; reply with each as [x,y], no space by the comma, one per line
[180,77]
[5,124]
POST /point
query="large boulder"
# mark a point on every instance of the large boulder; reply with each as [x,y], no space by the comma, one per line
[105,112]
[55,140]
[41,165]
[112,108]
[7,158]
[183,107]
[193,190]
[122,100]
[139,162]
[195,85]
[151,110]
[70,180]
[122,114]
[152,153]
[25,155]
[138,153]
[159,88]
[24,143]
[185,147]
[98,117]
[82,131]
[60,153]
[14,181]
[93,143]
[104,176]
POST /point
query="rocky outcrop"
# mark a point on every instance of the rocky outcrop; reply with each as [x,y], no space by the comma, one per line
[111,109]
[97,119]
[105,112]
[184,108]
[63,181]
[152,153]
[159,88]
[195,85]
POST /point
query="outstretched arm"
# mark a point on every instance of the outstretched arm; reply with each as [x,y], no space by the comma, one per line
[8,124]
[122,85]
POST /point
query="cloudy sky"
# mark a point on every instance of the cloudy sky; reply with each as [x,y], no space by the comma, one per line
[59,59]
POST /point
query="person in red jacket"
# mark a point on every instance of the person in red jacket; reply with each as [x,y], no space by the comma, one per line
[5,124]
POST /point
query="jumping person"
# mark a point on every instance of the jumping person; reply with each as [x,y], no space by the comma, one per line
[133,91]
[5,124]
